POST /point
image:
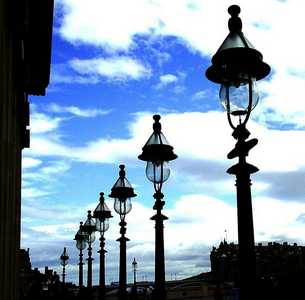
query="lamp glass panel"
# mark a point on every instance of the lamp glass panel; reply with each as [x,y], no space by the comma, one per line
[235,96]
[122,205]
[157,171]
[102,226]
[90,237]
[80,244]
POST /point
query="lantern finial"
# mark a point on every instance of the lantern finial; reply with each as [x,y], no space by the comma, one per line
[235,23]
[122,171]
[234,10]
[157,124]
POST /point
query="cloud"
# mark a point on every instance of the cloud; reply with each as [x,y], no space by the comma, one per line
[42,123]
[200,95]
[202,137]
[288,186]
[74,110]
[113,68]
[102,24]
[63,74]
[285,222]
[282,102]
[201,26]
[29,162]
[41,182]
[32,192]
[58,230]
[201,225]
[166,79]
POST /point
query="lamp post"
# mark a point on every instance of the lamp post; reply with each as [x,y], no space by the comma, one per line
[157,153]
[81,242]
[134,268]
[102,214]
[237,65]
[89,227]
[64,261]
[122,192]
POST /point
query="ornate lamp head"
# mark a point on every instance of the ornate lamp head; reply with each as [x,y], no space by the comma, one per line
[237,65]
[122,192]
[157,153]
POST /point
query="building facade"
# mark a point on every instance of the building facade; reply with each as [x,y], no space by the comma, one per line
[25,53]
[273,260]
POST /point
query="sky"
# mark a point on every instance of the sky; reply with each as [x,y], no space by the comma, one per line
[117,63]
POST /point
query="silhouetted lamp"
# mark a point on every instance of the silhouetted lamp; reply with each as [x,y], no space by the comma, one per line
[237,66]
[134,287]
[122,192]
[134,267]
[81,243]
[89,228]
[102,214]
[64,261]
[157,152]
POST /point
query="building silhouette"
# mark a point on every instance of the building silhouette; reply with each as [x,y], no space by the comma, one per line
[273,260]
[25,52]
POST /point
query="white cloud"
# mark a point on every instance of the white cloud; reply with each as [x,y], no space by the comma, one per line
[74,110]
[201,141]
[166,79]
[41,123]
[32,192]
[61,228]
[284,103]
[196,223]
[60,78]
[196,136]
[29,162]
[109,24]
[200,95]
[41,182]
[114,68]
[202,26]
[284,223]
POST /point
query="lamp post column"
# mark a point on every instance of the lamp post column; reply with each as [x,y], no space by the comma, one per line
[63,274]
[89,259]
[159,291]
[102,252]
[122,192]
[63,261]
[123,278]
[242,170]
[80,268]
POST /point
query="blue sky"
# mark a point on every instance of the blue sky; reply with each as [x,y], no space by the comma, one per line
[116,64]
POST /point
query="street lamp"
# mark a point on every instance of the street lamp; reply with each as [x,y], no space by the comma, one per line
[81,242]
[237,65]
[64,261]
[89,227]
[134,268]
[102,214]
[157,153]
[122,192]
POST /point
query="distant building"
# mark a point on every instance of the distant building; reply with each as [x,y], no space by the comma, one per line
[25,55]
[33,283]
[272,260]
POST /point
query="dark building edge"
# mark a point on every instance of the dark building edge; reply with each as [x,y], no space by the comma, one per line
[25,51]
